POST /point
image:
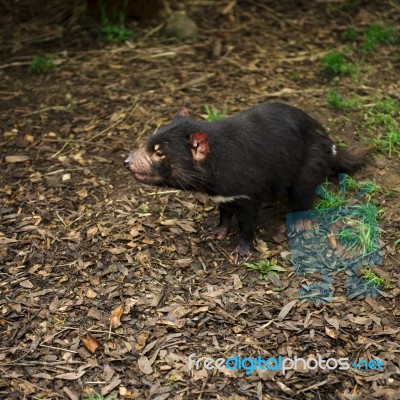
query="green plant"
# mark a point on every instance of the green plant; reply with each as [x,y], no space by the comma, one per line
[98,396]
[360,232]
[144,208]
[375,34]
[385,113]
[213,114]
[335,63]
[116,33]
[113,25]
[358,235]
[332,197]
[329,198]
[267,268]
[335,100]
[42,65]
[372,279]
[172,379]
[383,109]
[353,3]
[368,187]
[349,35]
[388,142]
[294,76]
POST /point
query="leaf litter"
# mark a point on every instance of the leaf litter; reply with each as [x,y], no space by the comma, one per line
[107,285]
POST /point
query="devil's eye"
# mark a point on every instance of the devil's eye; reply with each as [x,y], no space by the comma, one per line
[159,154]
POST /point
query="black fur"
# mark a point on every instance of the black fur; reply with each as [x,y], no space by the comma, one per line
[259,154]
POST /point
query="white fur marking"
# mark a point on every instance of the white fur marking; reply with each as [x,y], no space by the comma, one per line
[334,151]
[227,199]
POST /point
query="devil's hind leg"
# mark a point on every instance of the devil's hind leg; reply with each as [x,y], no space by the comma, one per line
[315,170]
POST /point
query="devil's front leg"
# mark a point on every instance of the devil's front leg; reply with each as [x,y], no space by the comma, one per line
[246,212]
[225,218]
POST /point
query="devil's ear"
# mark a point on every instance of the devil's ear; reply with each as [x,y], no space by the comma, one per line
[199,145]
[183,112]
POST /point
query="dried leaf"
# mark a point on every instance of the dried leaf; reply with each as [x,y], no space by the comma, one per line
[112,385]
[184,262]
[168,222]
[331,332]
[55,304]
[16,159]
[360,320]
[134,232]
[261,246]
[176,324]
[6,240]
[72,395]
[27,284]
[27,228]
[363,340]
[285,388]
[92,231]
[42,375]
[71,376]
[187,226]
[115,317]
[237,283]
[199,374]
[280,238]
[214,293]
[286,309]
[144,365]
[141,340]
[333,321]
[200,310]
[117,250]
[332,240]
[27,388]
[83,193]
[91,294]
[90,342]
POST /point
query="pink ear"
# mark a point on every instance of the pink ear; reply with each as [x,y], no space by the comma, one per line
[183,112]
[199,144]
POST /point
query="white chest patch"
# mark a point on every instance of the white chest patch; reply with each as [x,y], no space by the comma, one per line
[227,199]
[334,151]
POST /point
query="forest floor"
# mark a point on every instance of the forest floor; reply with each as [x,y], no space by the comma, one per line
[107,285]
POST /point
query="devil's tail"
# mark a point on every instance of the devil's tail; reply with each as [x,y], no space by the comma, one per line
[350,159]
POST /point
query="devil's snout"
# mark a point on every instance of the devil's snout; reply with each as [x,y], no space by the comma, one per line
[126,162]
[139,164]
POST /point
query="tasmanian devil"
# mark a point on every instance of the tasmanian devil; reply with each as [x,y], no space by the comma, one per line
[243,160]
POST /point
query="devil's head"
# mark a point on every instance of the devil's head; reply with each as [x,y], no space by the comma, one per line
[174,156]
